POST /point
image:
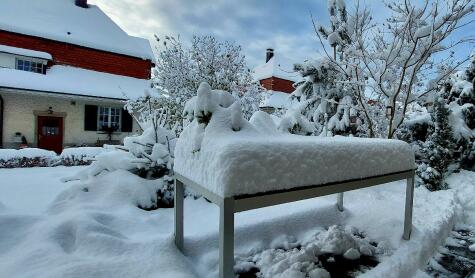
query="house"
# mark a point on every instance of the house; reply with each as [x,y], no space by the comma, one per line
[66,70]
[277,76]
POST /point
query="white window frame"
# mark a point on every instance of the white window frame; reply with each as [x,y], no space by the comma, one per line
[32,62]
[109,117]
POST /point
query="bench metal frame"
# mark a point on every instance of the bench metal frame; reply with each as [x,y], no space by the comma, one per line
[230,205]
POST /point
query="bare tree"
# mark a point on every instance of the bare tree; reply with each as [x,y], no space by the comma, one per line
[392,63]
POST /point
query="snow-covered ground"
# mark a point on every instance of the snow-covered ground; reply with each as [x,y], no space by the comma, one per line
[31,190]
[94,228]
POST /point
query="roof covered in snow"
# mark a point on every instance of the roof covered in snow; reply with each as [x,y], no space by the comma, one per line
[279,67]
[75,81]
[62,20]
[276,99]
[25,52]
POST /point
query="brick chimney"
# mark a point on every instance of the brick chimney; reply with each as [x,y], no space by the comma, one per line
[81,3]
[269,54]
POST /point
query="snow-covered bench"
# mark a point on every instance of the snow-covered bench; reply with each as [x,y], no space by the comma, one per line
[241,165]
[246,173]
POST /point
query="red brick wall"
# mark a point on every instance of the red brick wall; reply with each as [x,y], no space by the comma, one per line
[277,84]
[79,56]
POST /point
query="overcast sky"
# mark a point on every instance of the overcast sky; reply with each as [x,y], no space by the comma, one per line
[255,25]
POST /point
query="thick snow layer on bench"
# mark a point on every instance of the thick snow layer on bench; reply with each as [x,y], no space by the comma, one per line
[254,160]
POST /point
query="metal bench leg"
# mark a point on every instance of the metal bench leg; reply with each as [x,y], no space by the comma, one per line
[226,238]
[179,195]
[339,202]
[408,210]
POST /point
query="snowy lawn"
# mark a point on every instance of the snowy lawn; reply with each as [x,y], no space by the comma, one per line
[31,190]
[94,228]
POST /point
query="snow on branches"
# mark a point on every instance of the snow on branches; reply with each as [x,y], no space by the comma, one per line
[326,102]
[444,136]
[391,63]
[181,69]
[202,106]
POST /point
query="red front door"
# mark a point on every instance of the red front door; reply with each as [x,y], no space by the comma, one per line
[50,133]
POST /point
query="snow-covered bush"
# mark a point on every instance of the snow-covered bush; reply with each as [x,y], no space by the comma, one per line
[446,135]
[152,151]
[468,156]
[181,69]
[158,109]
[149,155]
[325,102]
[25,162]
[459,92]
[296,123]
[33,157]
[28,157]
[437,150]
[202,106]
[145,155]
[78,156]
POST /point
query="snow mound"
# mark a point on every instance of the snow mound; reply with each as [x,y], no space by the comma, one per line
[463,183]
[84,153]
[336,241]
[230,156]
[105,162]
[291,258]
[116,188]
[276,99]
[352,254]
[457,122]
[92,229]
[264,122]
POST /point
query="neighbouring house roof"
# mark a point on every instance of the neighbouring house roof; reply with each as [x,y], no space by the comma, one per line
[276,100]
[62,20]
[75,81]
[279,67]
[25,52]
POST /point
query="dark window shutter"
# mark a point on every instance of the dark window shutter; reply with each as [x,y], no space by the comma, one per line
[126,121]
[90,117]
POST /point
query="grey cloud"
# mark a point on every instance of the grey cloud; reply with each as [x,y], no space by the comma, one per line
[255,25]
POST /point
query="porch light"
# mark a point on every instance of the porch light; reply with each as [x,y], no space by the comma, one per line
[50,110]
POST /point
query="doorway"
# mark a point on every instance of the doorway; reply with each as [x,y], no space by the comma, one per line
[50,133]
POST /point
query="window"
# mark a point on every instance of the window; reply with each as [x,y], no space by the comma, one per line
[108,118]
[27,65]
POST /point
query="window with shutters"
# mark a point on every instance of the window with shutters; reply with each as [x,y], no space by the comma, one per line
[108,118]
